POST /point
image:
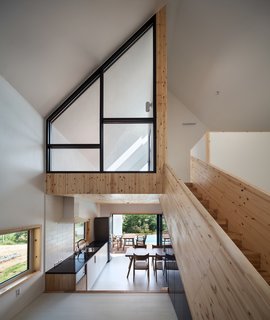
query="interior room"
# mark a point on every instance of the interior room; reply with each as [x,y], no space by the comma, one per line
[134,166]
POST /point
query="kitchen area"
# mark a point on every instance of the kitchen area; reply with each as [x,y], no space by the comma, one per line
[72,264]
[79,271]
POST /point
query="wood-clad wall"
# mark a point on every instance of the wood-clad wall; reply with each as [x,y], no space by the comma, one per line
[220,283]
[142,183]
[246,208]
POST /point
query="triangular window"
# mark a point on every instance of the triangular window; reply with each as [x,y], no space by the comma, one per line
[108,124]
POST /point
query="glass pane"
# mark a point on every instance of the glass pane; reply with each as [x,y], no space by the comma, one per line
[74,159]
[79,231]
[166,240]
[13,254]
[128,83]
[142,226]
[128,147]
[80,122]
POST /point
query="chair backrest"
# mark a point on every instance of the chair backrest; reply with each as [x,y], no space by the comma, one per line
[154,246]
[140,241]
[141,257]
[140,246]
[170,262]
[158,257]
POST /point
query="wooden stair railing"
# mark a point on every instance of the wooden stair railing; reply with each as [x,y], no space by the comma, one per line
[220,283]
[253,257]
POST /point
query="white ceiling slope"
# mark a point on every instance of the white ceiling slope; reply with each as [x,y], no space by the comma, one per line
[218,52]
[219,61]
[47,48]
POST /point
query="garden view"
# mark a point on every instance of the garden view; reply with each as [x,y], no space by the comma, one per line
[13,254]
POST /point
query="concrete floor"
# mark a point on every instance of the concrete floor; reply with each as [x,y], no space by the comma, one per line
[99,306]
[114,277]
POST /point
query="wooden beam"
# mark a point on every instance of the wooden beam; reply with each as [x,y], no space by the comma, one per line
[219,282]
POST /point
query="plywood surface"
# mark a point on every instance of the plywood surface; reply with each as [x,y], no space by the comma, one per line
[220,283]
[246,208]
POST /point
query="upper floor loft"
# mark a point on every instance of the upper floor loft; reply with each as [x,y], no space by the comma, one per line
[109,136]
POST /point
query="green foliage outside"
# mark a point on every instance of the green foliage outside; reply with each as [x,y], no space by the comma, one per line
[140,223]
[14,238]
[13,271]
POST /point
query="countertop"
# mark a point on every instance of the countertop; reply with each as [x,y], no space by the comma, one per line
[74,263]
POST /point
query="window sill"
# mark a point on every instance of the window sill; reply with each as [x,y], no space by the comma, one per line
[17,282]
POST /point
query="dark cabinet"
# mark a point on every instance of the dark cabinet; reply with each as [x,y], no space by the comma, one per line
[176,289]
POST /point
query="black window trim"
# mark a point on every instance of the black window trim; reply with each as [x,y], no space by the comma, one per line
[99,75]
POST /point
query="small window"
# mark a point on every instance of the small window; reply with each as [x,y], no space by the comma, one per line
[19,254]
[79,231]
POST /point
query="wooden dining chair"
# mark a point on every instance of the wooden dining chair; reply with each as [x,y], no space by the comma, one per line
[140,240]
[170,264]
[158,264]
[140,262]
[140,246]
[156,246]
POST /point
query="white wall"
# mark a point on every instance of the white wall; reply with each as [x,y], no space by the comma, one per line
[181,138]
[58,236]
[89,210]
[199,150]
[243,154]
[59,227]
[21,183]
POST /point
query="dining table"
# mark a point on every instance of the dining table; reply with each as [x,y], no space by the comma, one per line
[143,251]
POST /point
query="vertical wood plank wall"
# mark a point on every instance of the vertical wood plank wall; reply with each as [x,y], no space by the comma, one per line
[246,208]
[220,283]
[141,183]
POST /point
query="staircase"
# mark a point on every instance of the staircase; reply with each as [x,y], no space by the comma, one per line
[253,257]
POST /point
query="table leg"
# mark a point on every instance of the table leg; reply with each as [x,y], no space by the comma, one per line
[130,264]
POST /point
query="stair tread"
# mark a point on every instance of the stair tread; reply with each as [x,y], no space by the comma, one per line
[222,221]
[234,234]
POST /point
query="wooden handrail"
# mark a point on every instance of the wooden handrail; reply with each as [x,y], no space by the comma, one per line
[220,283]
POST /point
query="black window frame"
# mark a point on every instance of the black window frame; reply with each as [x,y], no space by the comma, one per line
[99,74]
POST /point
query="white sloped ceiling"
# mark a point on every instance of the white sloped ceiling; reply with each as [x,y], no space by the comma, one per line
[47,48]
[218,52]
[219,61]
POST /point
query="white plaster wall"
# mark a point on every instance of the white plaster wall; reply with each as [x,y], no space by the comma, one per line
[21,182]
[60,231]
[58,235]
[181,138]
[243,154]
[89,210]
[107,209]
[199,150]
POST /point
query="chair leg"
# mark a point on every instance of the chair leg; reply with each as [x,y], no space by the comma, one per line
[129,267]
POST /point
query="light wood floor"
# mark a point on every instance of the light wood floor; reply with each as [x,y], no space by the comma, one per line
[113,277]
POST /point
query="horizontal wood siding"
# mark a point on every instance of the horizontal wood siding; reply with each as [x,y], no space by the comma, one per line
[141,183]
[246,208]
[220,283]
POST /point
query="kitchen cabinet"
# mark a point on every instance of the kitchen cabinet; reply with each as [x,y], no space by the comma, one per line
[177,292]
[78,272]
[96,264]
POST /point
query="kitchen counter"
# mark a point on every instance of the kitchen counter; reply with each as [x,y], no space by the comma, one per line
[74,263]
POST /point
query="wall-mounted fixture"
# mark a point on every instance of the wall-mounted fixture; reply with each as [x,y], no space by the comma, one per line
[189,123]
[148,106]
